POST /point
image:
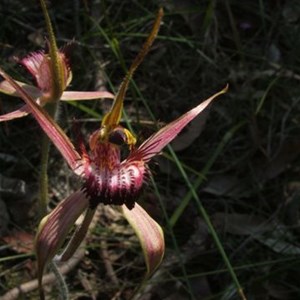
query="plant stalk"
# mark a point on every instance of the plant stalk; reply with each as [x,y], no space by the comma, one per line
[43,179]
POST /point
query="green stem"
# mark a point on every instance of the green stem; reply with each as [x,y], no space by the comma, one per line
[43,179]
[51,108]
[52,41]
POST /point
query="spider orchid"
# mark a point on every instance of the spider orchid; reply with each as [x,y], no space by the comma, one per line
[106,178]
[52,75]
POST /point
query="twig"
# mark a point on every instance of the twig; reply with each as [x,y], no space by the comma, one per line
[47,279]
[108,266]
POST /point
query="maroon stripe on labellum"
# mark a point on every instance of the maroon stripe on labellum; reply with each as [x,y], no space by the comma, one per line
[120,186]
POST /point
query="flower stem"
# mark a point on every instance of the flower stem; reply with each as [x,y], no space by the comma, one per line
[51,108]
[43,179]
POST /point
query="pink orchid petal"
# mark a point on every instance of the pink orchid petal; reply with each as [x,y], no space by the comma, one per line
[7,88]
[50,127]
[55,227]
[19,113]
[153,145]
[74,95]
[33,62]
[150,235]
[38,65]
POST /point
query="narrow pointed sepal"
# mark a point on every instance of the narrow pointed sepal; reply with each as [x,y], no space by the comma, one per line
[19,113]
[8,89]
[114,115]
[75,95]
[153,145]
[150,235]
[54,228]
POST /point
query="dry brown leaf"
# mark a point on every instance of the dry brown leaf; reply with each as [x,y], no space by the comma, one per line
[227,185]
[289,151]
[20,241]
[242,224]
[274,235]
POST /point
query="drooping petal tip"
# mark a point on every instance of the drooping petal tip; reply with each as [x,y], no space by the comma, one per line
[150,235]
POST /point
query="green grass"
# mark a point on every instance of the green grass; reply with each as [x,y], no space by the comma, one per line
[242,171]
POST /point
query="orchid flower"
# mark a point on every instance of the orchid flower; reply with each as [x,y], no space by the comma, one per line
[52,75]
[106,178]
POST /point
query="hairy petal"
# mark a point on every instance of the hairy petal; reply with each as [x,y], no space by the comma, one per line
[54,228]
[164,136]
[74,95]
[150,236]
[33,62]
[50,127]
